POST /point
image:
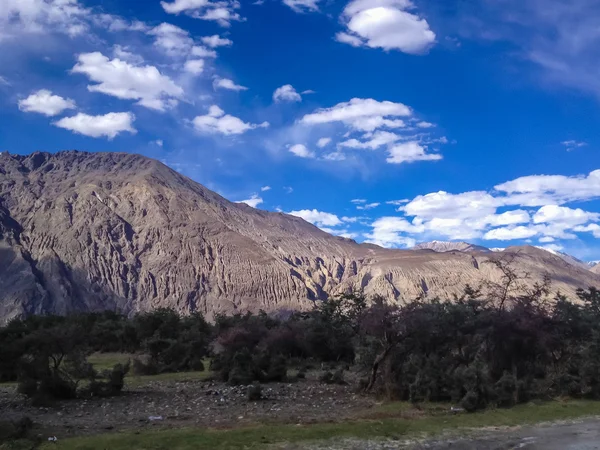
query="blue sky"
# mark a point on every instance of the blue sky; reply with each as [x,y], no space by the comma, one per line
[388,121]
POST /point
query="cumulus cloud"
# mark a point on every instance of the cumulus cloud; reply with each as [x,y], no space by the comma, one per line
[361,114]
[41,16]
[391,232]
[323,142]
[540,190]
[44,102]
[372,141]
[109,125]
[302,5]
[194,66]
[225,83]
[177,42]
[318,218]
[510,233]
[217,122]
[301,151]
[386,24]
[480,214]
[286,93]
[127,81]
[216,41]
[410,152]
[253,201]
[222,11]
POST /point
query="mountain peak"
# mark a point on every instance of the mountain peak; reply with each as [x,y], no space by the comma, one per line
[447,246]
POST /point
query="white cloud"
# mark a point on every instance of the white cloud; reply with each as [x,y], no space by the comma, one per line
[124,54]
[116,23]
[301,151]
[221,11]
[108,125]
[564,215]
[253,201]
[334,156]
[397,202]
[318,218]
[410,152]
[323,142]
[42,16]
[372,141]
[176,42]
[302,5]
[225,83]
[546,239]
[425,125]
[360,114]
[386,24]
[368,206]
[159,142]
[358,201]
[390,232]
[4,81]
[510,233]
[593,228]
[126,81]
[44,102]
[572,145]
[217,122]
[194,66]
[216,41]
[468,205]
[540,190]
[286,93]
[265,188]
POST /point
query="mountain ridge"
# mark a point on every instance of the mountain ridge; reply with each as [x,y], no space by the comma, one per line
[90,231]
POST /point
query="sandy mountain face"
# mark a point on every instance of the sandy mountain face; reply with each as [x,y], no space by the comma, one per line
[442,246]
[92,231]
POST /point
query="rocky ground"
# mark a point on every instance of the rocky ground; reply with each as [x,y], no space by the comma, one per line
[197,403]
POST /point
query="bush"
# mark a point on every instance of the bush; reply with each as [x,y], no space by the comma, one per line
[113,383]
[254,393]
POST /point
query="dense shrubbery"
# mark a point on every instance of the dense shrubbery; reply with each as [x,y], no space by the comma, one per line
[500,350]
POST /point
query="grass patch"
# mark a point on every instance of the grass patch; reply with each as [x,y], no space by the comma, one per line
[102,361]
[260,436]
[105,361]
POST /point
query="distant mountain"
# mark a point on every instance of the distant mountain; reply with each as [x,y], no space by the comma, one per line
[96,231]
[592,264]
[443,246]
[568,258]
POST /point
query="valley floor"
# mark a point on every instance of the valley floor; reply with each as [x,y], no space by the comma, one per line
[197,414]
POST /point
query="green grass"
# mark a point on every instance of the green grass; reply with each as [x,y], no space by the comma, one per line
[102,361]
[395,428]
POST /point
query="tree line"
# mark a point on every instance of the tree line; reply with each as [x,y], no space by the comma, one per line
[474,350]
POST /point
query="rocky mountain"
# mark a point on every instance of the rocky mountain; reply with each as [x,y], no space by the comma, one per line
[596,269]
[442,246]
[569,258]
[91,231]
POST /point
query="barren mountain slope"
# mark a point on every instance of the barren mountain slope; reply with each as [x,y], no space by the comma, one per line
[441,246]
[89,231]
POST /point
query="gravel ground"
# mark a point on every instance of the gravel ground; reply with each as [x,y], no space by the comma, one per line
[207,404]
